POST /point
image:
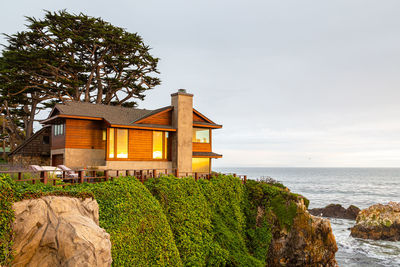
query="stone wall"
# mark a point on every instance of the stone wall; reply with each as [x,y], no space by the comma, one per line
[25,160]
[81,158]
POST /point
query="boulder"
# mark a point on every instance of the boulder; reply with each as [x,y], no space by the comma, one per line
[309,242]
[59,231]
[336,211]
[378,222]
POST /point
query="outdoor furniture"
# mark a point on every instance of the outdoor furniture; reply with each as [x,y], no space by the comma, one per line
[36,168]
[53,171]
[69,173]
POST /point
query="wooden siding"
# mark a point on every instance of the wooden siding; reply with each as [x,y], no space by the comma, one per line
[201,147]
[198,118]
[57,142]
[84,134]
[35,146]
[163,118]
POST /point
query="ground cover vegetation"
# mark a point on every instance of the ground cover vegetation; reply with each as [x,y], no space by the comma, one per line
[172,222]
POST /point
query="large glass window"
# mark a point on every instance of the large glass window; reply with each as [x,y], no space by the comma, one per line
[118,143]
[160,145]
[201,165]
[157,145]
[122,143]
[201,135]
[111,144]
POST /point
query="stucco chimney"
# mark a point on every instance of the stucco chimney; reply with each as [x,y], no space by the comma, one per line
[182,120]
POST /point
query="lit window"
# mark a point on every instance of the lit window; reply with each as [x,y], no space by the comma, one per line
[111,144]
[160,145]
[157,145]
[201,135]
[201,165]
[122,143]
[104,135]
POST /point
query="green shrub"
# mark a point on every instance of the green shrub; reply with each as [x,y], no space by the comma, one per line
[140,233]
[267,203]
[6,219]
[226,195]
[189,215]
[170,221]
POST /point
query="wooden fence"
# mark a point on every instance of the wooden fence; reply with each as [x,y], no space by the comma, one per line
[54,177]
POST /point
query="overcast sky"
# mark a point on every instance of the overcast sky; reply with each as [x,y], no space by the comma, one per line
[294,83]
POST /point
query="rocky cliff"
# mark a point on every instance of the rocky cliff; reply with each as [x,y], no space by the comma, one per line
[59,231]
[164,222]
[378,222]
[308,242]
[336,211]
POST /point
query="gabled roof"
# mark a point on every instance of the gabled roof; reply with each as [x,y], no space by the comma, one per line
[27,141]
[112,114]
[117,116]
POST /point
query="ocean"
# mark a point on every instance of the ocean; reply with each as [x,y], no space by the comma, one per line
[361,187]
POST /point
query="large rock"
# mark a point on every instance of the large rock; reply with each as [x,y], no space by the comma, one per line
[336,211]
[378,222]
[59,231]
[309,242]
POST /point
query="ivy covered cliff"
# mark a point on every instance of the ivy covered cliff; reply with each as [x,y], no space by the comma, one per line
[182,222]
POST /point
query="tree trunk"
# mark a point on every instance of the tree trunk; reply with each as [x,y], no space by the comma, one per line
[99,87]
[4,138]
[28,120]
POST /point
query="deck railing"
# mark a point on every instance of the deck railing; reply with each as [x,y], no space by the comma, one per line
[64,178]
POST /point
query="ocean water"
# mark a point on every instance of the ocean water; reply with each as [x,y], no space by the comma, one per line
[362,187]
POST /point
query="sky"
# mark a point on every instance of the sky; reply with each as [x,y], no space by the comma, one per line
[294,83]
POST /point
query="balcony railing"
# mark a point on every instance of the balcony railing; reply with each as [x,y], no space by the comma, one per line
[64,178]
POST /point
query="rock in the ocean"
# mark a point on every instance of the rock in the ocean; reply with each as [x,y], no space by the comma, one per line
[336,211]
[309,242]
[59,231]
[378,222]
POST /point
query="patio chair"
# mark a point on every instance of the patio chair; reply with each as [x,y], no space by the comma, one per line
[69,173]
[36,168]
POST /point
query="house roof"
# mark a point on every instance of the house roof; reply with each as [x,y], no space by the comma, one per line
[27,141]
[201,123]
[206,155]
[112,114]
[117,116]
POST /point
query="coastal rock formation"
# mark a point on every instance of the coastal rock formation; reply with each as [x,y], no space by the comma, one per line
[309,242]
[378,222]
[59,231]
[336,211]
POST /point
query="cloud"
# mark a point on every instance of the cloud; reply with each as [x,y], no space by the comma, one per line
[295,83]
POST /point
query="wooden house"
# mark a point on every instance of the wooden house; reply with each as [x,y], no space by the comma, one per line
[113,137]
[34,151]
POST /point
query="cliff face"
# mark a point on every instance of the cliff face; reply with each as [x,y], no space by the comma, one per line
[59,231]
[308,242]
[164,222]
